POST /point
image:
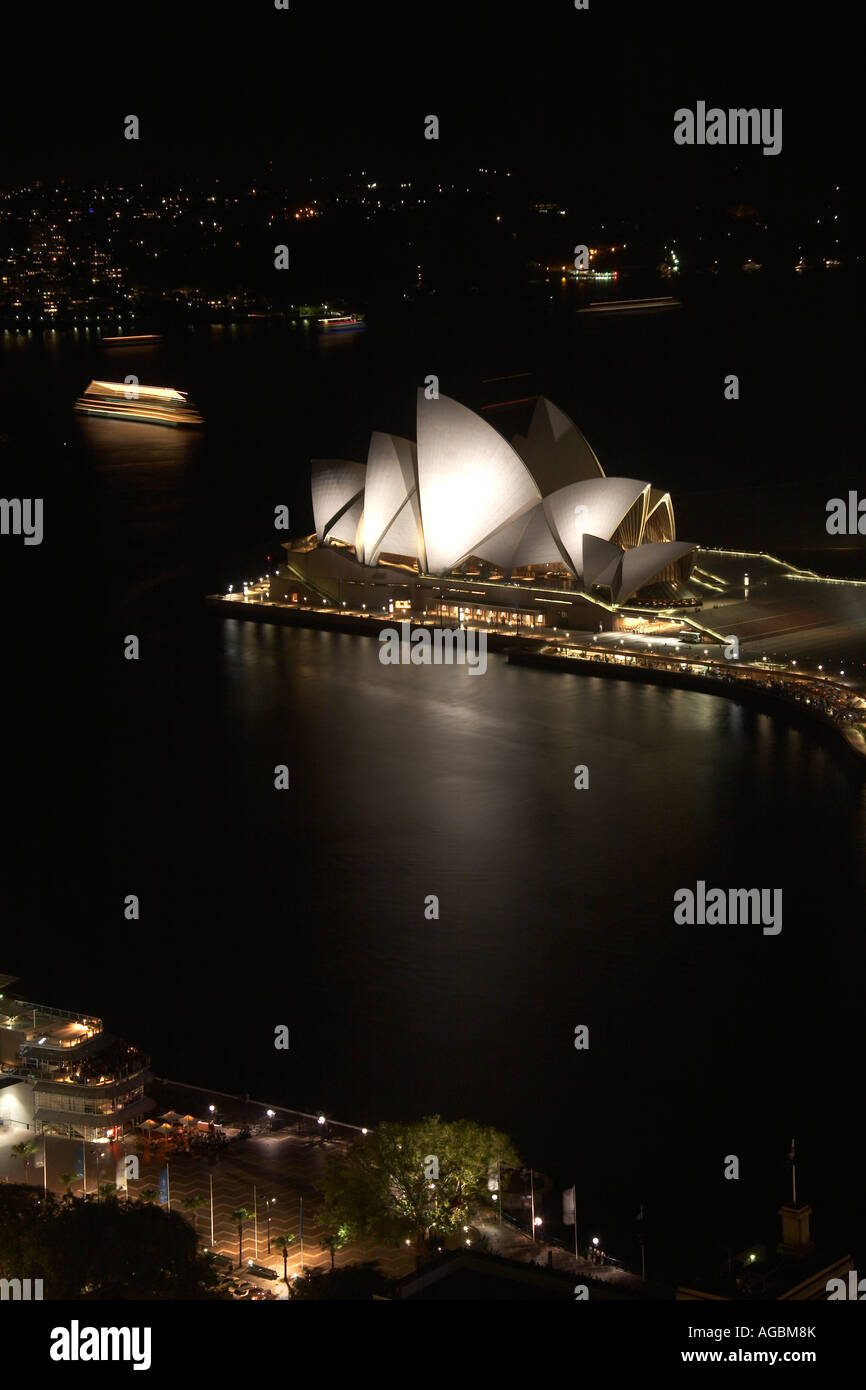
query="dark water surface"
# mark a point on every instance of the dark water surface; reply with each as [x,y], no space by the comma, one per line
[307,907]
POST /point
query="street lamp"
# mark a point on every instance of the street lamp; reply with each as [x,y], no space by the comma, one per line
[269,1202]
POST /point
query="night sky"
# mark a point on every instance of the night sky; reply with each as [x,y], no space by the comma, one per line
[574,102]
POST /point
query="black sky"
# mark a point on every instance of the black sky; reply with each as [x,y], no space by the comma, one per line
[572,100]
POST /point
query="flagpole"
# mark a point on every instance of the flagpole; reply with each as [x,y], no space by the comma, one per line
[210,1175]
[532,1199]
[576,1256]
[255,1221]
[643,1243]
[301,1201]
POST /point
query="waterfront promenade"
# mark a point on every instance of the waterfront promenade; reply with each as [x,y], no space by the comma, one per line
[789,619]
[193,1161]
[837,708]
[270,1174]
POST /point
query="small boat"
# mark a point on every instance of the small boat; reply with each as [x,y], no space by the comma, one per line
[144,405]
[620,306]
[342,321]
[132,339]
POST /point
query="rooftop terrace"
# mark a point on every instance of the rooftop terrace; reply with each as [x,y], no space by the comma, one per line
[53,1028]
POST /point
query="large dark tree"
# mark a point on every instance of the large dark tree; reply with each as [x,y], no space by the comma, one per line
[22,1212]
[415,1181]
[81,1248]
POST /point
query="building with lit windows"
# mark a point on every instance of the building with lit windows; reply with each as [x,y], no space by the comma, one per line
[463,524]
[61,1073]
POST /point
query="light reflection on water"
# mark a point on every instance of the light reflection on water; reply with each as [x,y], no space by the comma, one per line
[555,905]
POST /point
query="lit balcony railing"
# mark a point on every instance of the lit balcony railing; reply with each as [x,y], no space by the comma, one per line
[49,1073]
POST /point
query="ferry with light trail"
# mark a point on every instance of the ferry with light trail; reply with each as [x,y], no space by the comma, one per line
[337,322]
[143,405]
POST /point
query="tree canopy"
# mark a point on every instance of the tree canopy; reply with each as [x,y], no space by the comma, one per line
[417,1181]
[81,1248]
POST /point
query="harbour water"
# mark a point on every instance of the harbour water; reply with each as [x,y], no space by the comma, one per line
[307,908]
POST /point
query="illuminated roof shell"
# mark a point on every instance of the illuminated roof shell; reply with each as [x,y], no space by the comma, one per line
[554,450]
[391,482]
[336,484]
[640,565]
[596,505]
[470,481]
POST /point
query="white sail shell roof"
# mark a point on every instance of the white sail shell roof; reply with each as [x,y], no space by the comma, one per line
[335,483]
[404,536]
[470,481]
[537,544]
[596,505]
[346,527]
[554,449]
[602,562]
[639,565]
[501,547]
[526,541]
[390,482]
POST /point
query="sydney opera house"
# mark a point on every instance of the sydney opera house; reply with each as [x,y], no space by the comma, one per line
[464,524]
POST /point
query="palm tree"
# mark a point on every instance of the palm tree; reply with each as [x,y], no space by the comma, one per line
[148,1194]
[68,1179]
[107,1191]
[335,1242]
[239,1216]
[282,1243]
[24,1150]
[194,1204]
